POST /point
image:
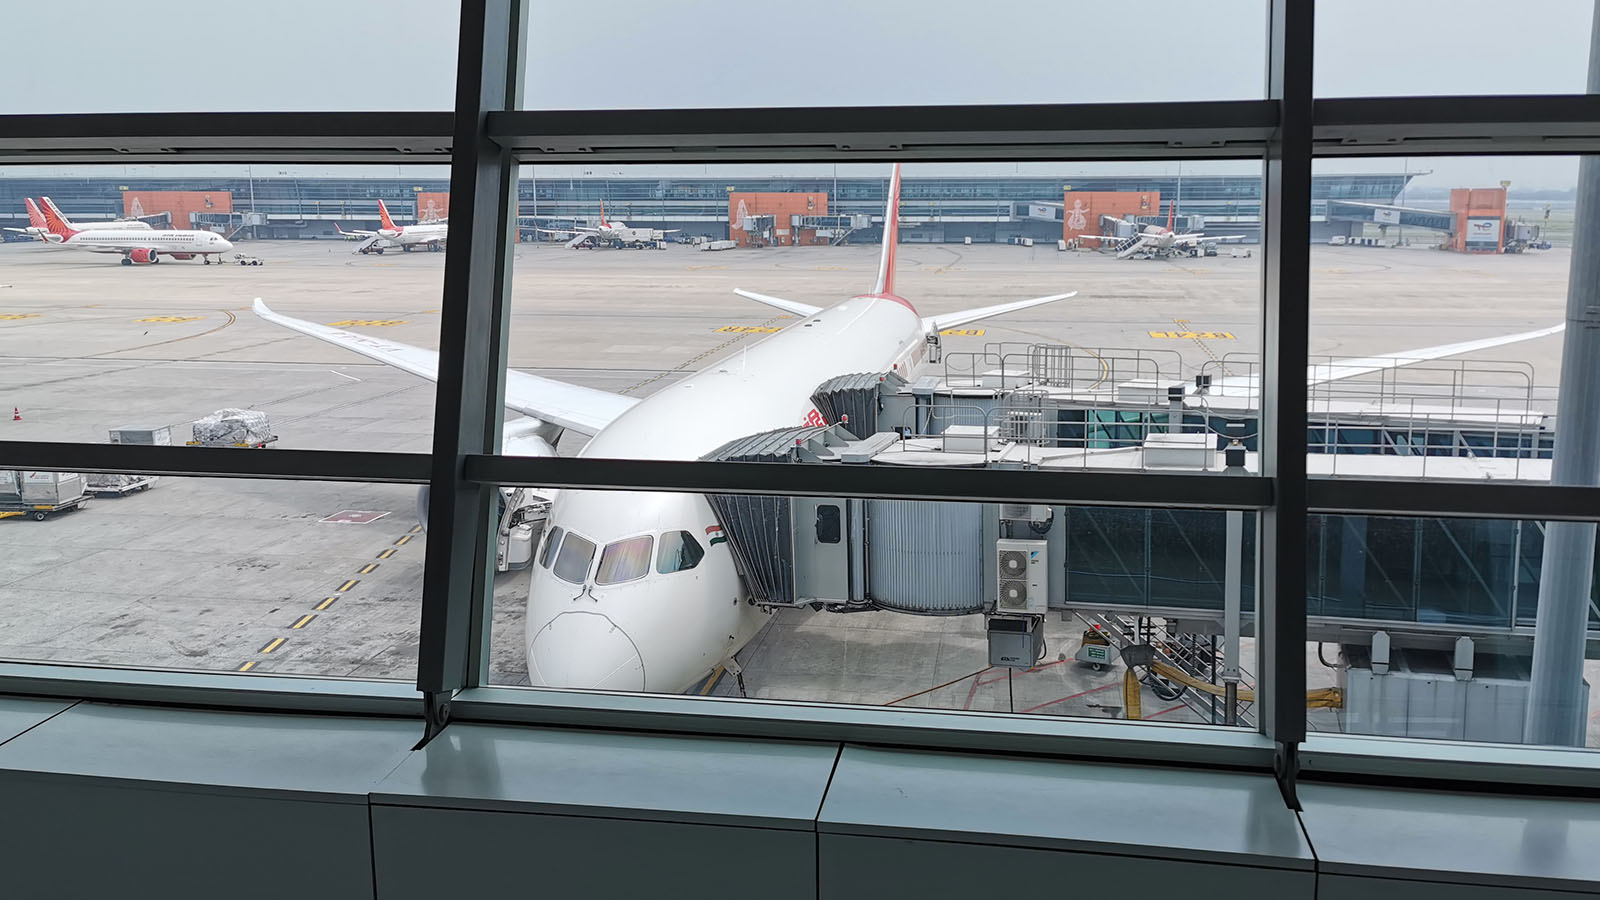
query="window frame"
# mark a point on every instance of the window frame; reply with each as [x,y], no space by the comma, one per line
[485,138]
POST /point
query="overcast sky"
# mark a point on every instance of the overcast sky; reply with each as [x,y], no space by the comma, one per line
[400,54]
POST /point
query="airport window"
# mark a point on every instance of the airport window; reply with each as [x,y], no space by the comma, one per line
[624,561]
[1070,313]
[679,552]
[287,55]
[573,562]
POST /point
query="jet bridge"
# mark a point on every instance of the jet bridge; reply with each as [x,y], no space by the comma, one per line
[1157,584]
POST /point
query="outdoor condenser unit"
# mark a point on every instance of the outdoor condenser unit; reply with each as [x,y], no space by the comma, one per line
[1023,570]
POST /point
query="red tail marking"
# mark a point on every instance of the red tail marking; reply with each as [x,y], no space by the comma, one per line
[602,214]
[53,220]
[35,218]
[383,213]
[1172,213]
[891,236]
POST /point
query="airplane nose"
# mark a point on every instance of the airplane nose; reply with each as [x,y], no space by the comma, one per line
[226,245]
[584,650]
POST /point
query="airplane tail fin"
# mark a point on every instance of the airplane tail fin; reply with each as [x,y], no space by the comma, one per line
[602,214]
[891,236]
[35,217]
[1172,215]
[54,221]
[383,214]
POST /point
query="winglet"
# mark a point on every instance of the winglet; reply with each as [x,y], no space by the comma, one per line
[891,236]
[35,217]
[383,213]
[55,221]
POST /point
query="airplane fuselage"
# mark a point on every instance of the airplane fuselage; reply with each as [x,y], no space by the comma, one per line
[410,235]
[664,630]
[181,244]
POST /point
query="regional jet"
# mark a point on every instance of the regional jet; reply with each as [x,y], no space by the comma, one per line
[637,591]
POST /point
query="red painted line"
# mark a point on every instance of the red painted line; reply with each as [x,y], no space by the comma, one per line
[972,693]
[1072,696]
[1169,709]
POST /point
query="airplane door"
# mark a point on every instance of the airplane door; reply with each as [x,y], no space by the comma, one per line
[821,534]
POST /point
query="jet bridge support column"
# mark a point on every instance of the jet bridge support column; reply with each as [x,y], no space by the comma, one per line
[1556,709]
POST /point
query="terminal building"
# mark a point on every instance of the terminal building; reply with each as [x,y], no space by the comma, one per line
[982,209]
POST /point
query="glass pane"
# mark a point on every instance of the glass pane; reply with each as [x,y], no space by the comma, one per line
[1370,48]
[713,303]
[150,339]
[892,52]
[1457,601]
[296,55]
[624,561]
[212,574]
[679,552]
[573,563]
[914,606]
[1441,310]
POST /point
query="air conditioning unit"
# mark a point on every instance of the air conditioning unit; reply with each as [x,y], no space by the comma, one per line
[1023,571]
[1024,512]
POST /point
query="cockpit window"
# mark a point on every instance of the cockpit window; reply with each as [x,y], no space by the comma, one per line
[679,551]
[572,563]
[550,545]
[624,561]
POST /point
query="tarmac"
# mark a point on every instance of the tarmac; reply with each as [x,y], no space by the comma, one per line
[221,574]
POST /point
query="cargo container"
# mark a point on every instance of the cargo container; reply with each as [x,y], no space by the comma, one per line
[38,494]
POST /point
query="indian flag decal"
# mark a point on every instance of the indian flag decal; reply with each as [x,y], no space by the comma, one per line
[714,535]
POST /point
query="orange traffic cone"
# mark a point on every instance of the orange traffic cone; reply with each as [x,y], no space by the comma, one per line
[16,414]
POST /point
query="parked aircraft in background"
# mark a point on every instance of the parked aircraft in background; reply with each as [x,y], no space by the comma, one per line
[1155,241]
[615,234]
[136,245]
[39,229]
[432,235]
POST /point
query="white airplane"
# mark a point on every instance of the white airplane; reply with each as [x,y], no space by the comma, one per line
[432,235]
[137,245]
[615,233]
[636,591]
[1157,241]
[40,230]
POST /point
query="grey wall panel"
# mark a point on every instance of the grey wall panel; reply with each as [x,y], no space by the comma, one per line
[431,853]
[852,867]
[1496,842]
[18,714]
[75,838]
[1353,887]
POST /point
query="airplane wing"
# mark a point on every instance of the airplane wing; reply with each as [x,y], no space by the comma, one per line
[573,230]
[354,232]
[955,319]
[788,306]
[581,409]
[1323,373]
[1205,238]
